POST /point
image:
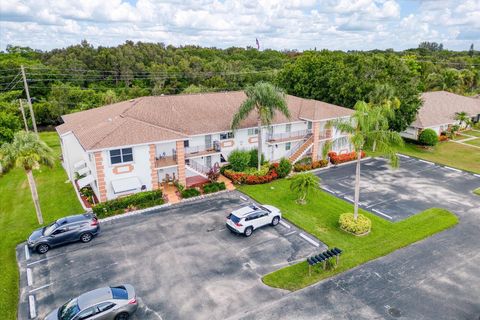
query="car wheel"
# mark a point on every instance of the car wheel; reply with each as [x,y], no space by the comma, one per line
[122,316]
[248,232]
[43,248]
[86,237]
[275,221]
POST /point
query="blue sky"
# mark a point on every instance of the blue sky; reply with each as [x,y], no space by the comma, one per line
[278,24]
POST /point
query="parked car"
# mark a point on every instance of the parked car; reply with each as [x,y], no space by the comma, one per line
[252,217]
[109,303]
[82,227]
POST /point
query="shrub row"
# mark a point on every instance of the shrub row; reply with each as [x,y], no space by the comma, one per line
[306,166]
[135,201]
[345,157]
[214,187]
[242,177]
[189,193]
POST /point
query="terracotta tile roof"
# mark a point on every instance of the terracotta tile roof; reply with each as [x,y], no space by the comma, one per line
[160,118]
[439,108]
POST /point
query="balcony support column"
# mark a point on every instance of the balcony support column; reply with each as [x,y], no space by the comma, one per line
[153,165]
[181,163]
[316,138]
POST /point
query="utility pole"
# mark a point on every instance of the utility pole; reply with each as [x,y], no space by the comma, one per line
[23,114]
[28,99]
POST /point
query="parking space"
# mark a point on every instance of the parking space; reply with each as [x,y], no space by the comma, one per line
[182,261]
[395,194]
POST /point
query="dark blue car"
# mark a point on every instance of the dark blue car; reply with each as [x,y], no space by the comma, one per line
[82,227]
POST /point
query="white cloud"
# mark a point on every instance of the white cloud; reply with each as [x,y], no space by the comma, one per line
[279,24]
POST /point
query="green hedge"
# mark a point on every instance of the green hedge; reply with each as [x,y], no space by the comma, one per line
[214,187]
[135,201]
[190,192]
[428,137]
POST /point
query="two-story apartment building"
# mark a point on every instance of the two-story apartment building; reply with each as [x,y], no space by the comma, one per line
[136,145]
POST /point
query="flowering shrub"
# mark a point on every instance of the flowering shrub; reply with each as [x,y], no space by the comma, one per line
[341,158]
[442,138]
[242,177]
[359,227]
[306,166]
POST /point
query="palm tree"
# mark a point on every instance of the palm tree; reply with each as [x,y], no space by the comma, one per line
[363,132]
[28,152]
[463,118]
[265,99]
[383,97]
[302,184]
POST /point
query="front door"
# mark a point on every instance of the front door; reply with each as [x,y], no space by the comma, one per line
[208,141]
[208,161]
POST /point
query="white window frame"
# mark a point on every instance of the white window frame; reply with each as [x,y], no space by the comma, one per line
[229,135]
[288,127]
[121,156]
[288,146]
[252,131]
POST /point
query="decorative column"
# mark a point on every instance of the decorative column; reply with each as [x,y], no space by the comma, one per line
[181,163]
[153,165]
[99,168]
[316,138]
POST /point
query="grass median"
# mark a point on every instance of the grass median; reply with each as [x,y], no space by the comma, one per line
[320,218]
[17,217]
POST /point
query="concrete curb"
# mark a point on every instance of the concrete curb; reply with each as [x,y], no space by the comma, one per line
[165,205]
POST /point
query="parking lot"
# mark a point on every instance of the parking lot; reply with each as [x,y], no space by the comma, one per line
[182,261]
[395,194]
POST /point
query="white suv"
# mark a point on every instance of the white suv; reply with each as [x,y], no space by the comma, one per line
[251,217]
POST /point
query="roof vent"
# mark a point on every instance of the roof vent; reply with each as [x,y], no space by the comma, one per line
[132,100]
[162,95]
[110,119]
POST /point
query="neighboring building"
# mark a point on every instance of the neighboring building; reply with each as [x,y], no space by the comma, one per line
[438,112]
[135,145]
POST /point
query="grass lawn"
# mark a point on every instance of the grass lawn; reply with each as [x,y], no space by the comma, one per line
[477,191]
[472,133]
[448,153]
[18,219]
[320,218]
[475,142]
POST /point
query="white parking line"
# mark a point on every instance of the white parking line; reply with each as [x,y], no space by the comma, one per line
[314,243]
[453,169]
[27,253]
[285,224]
[31,303]
[29,277]
[328,190]
[476,175]
[348,198]
[290,233]
[424,161]
[403,156]
[40,288]
[383,214]
[243,198]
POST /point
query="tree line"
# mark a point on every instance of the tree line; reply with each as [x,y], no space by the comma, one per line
[81,76]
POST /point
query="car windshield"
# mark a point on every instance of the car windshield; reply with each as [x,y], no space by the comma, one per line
[234,218]
[49,229]
[68,310]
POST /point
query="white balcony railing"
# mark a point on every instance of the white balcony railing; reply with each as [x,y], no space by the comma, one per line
[288,136]
[203,149]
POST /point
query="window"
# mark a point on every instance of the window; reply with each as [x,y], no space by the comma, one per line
[288,146]
[252,131]
[87,313]
[309,125]
[105,306]
[226,135]
[121,155]
[59,231]
[186,143]
[288,128]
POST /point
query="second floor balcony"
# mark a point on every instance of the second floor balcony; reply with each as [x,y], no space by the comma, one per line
[202,150]
[288,136]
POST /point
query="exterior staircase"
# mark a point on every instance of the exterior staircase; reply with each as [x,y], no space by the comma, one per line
[198,168]
[301,150]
